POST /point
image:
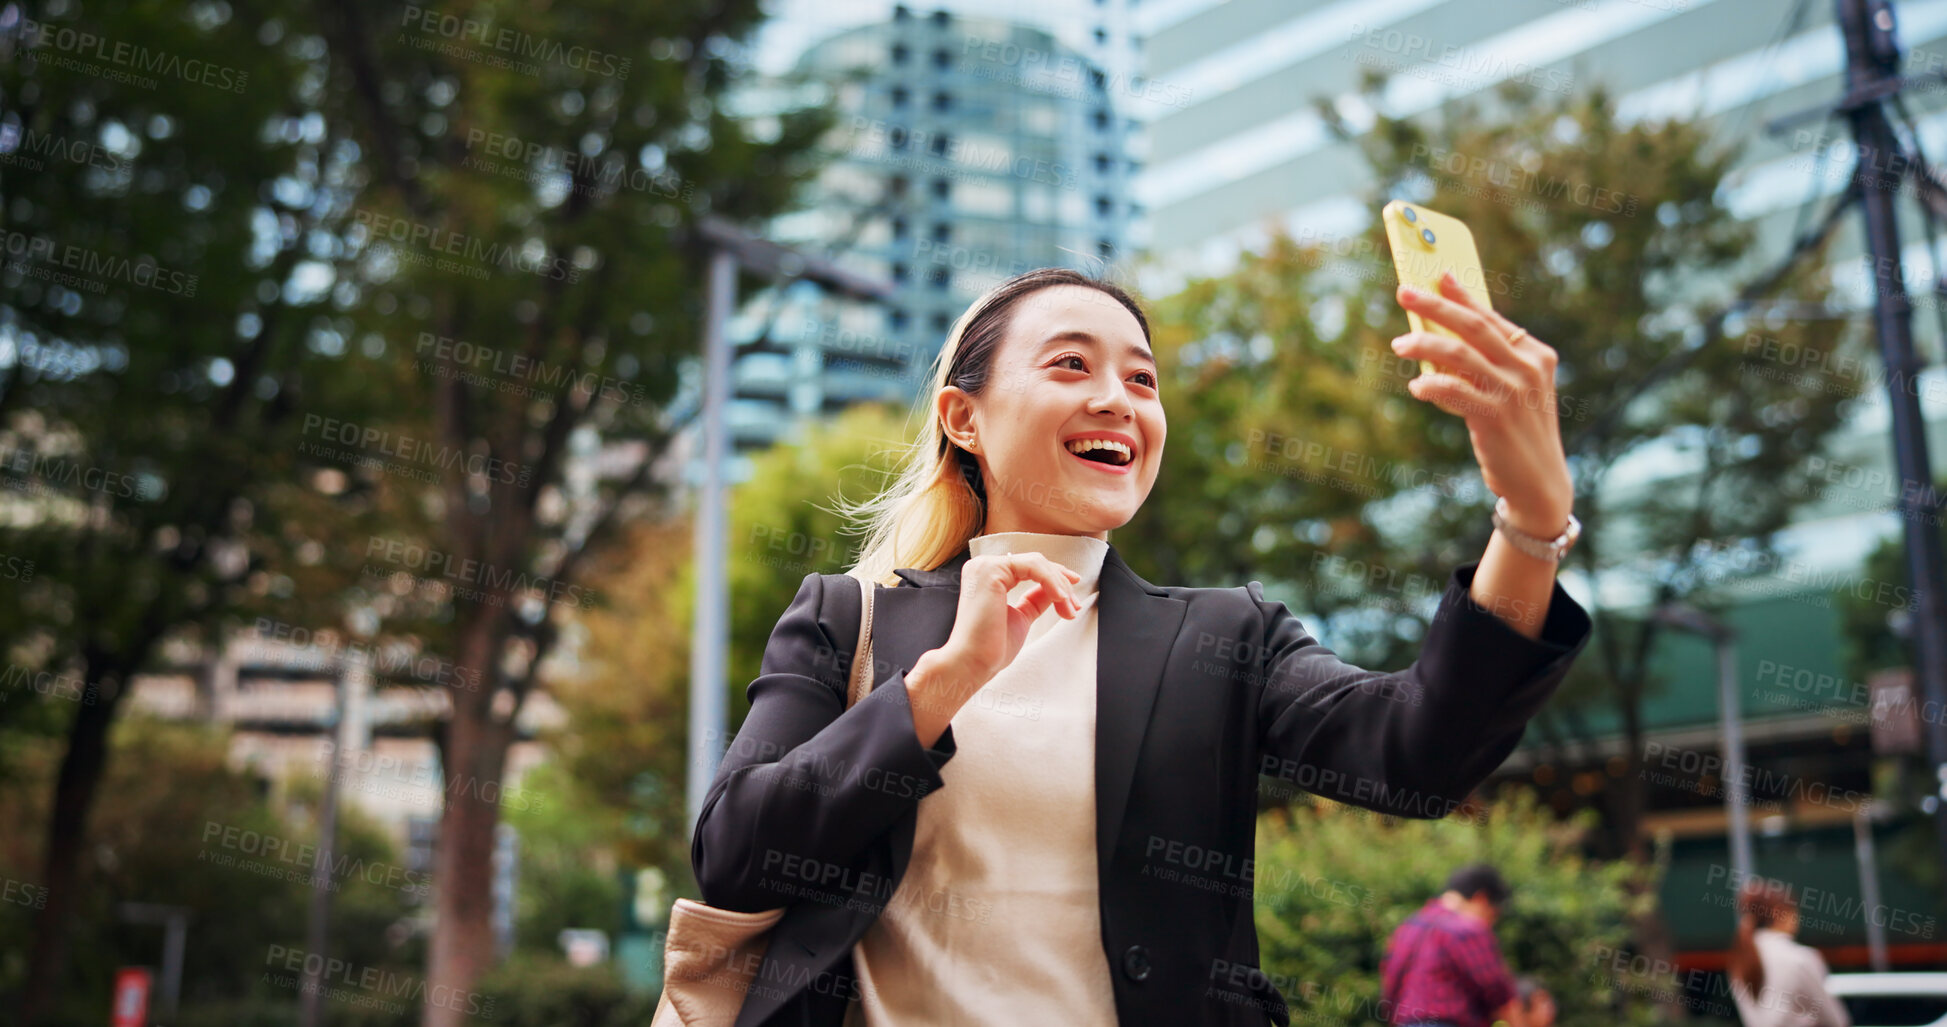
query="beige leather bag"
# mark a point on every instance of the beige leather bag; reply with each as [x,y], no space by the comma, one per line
[711,955]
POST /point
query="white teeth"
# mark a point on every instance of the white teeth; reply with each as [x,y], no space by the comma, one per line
[1080,446]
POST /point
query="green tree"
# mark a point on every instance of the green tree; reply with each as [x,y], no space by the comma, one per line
[160,184]
[526,248]
[177,826]
[1332,883]
[351,305]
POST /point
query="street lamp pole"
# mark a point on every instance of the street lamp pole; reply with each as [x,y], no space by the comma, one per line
[731,250]
[1730,715]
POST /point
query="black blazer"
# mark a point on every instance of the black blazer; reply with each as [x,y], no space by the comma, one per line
[1198,692]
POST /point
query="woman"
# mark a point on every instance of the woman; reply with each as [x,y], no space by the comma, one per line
[1085,857]
[1775,981]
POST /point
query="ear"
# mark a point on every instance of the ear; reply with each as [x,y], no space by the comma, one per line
[955,408]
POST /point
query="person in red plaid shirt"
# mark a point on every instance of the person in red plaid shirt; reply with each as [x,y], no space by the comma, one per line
[1443,967]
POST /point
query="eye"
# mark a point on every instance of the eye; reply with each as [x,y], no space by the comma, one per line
[1076,357]
[1148,379]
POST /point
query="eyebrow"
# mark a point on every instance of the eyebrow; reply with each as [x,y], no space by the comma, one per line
[1077,335]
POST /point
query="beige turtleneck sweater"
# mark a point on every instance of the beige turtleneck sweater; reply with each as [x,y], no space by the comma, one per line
[996,919]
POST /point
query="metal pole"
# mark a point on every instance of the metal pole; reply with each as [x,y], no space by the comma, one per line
[1865,851]
[1870,60]
[709,633]
[348,720]
[175,935]
[1737,796]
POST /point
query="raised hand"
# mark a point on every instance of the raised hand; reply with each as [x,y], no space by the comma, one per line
[1501,380]
[989,630]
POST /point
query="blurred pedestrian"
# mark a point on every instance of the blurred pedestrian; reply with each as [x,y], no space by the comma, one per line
[1775,981]
[1443,967]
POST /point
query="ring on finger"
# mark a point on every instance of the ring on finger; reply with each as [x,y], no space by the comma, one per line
[1519,334]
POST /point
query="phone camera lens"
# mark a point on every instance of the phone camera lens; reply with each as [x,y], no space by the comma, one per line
[1427,234]
[1409,214]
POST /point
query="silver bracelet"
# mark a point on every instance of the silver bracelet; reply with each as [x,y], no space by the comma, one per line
[1540,548]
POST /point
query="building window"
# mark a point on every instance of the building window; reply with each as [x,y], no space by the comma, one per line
[942,101]
[899,228]
[896,185]
[900,53]
[1104,248]
[942,231]
[939,144]
[897,319]
[938,278]
[897,136]
[899,273]
[1101,119]
[900,12]
[899,96]
[942,188]
[1101,35]
[942,60]
[941,322]
[1104,206]
[1103,163]
[942,19]
[1096,78]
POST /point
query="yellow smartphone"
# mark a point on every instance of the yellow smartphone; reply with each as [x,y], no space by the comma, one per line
[1427,244]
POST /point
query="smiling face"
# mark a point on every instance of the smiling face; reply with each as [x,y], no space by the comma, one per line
[1069,428]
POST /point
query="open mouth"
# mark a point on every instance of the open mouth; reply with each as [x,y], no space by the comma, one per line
[1111,455]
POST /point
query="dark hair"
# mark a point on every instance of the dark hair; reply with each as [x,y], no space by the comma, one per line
[1761,902]
[1480,877]
[980,338]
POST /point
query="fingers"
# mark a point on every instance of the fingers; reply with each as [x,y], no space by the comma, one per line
[1452,393]
[1459,313]
[1451,288]
[1034,599]
[1500,341]
[1055,580]
[1450,353]
[1533,360]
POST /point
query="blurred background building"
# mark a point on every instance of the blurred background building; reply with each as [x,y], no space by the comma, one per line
[965,150]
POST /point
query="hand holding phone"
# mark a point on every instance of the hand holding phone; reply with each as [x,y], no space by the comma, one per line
[1427,244]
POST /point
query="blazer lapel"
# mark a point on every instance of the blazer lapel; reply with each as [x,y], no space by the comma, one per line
[1137,624]
[908,623]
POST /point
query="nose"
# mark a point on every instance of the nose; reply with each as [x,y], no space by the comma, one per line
[1115,400]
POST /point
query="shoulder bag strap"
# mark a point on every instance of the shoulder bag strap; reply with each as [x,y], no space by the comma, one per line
[861,680]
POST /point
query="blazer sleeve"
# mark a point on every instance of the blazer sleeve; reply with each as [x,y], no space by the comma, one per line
[1414,742]
[807,784]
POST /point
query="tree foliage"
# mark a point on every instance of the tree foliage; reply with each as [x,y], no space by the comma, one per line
[1332,882]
